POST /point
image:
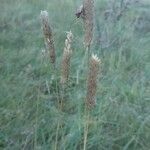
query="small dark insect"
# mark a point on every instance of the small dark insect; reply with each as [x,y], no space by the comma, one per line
[79,12]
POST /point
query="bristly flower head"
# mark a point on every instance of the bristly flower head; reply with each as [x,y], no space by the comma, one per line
[65,68]
[94,67]
[88,15]
[47,31]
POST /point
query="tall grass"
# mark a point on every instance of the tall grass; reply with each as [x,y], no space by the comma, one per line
[30,114]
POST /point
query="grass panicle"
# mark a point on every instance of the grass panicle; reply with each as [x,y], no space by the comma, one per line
[94,66]
[88,14]
[47,31]
[65,67]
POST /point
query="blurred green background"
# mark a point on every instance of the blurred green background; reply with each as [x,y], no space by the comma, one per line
[30,113]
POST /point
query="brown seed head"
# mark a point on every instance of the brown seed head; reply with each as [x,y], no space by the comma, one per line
[65,68]
[47,31]
[92,80]
[88,6]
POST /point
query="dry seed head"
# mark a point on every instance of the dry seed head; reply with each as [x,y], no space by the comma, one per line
[94,67]
[65,68]
[47,31]
[88,15]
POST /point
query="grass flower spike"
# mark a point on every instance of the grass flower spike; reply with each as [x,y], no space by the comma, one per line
[88,6]
[92,80]
[65,68]
[47,31]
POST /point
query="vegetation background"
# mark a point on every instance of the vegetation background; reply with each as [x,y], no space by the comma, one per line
[30,113]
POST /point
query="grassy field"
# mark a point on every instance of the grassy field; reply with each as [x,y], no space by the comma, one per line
[31,116]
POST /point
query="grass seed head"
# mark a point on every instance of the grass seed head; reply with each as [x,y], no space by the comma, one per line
[47,31]
[92,80]
[88,6]
[65,68]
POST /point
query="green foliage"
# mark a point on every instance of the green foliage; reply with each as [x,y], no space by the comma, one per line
[35,114]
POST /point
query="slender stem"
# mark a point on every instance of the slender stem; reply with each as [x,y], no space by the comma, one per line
[86,128]
[56,138]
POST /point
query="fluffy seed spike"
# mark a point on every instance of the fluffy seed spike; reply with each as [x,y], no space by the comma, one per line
[92,80]
[88,6]
[65,68]
[47,31]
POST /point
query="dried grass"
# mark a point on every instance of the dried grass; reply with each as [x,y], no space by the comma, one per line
[47,31]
